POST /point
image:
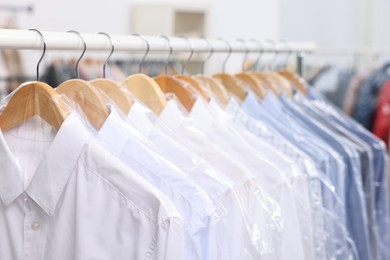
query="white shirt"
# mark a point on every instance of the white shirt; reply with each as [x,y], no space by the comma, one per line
[62,198]
[277,173]
[263,212]
[231,229]
[304,162]
[191,200]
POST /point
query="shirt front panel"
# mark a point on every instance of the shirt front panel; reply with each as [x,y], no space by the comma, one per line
[84,204]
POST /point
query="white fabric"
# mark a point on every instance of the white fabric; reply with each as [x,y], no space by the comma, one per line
[196,208]
[81,203]
[231,229]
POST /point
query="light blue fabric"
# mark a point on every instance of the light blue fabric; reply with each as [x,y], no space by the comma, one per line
[357,220]
[380,163]
[329,163]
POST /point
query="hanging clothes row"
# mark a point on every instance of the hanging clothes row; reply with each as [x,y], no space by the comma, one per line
[361,93]
[254,165]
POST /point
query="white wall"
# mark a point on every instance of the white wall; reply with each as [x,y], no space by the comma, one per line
[229,19]
[337,24]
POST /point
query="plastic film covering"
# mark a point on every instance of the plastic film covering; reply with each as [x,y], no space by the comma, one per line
[262,213]
[322,193]
[219,188]
[203,213]
[377,194]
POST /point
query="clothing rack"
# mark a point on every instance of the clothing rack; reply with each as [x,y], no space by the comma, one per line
[357,51]
[30,40]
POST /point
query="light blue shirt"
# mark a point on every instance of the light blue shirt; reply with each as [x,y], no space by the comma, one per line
[357,220]
[339,245]
[380,162]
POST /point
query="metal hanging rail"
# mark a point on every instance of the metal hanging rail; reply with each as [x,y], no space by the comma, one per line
[30,40]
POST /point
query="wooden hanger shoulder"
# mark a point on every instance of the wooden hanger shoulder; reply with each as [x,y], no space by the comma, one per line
[254,84]
[146,90]
[169,84]
[269,83]
[34,98]
[232,85]
[89,100]
[193,83]
[113,90]
[215,87]
[296,80]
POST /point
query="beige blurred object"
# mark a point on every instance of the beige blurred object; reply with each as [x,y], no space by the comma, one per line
[13,62]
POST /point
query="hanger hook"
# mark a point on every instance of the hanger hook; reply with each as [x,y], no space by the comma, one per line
[229,53]
[111,52]
[43,50]
[82,54]
[246,52]
[288,53]
[191,54]
[208,56]
[261,51]
[170,52]
[272,63]
[146,52]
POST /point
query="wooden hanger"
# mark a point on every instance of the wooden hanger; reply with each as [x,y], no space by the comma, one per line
[296,80]
[232,85]
[88,98]
[147,90]
[144,87]
[254,84]
[195,85]
[34,98]
[112,88]
[215,87]
[188,79]
[282,83]
[168,84]
[85,95]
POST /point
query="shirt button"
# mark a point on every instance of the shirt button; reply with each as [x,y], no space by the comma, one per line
[35,225]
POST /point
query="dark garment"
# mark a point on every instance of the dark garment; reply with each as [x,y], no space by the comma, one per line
[382,118]
[366,103]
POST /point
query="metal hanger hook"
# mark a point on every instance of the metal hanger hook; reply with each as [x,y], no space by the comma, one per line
[111,52]
[288,53]
[246,52]
[261,51]
[146,52]
[43,50]
[272,63]
[208,56]
[82,54]
[192,50]
[229,53]
[170,52]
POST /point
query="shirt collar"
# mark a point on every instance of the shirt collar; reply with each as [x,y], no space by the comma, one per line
[141,118]
[203,119]
[53,171]
[116,133]
[172,115]
[250,104]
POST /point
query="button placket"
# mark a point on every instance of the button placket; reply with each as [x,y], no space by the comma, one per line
[34,230]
